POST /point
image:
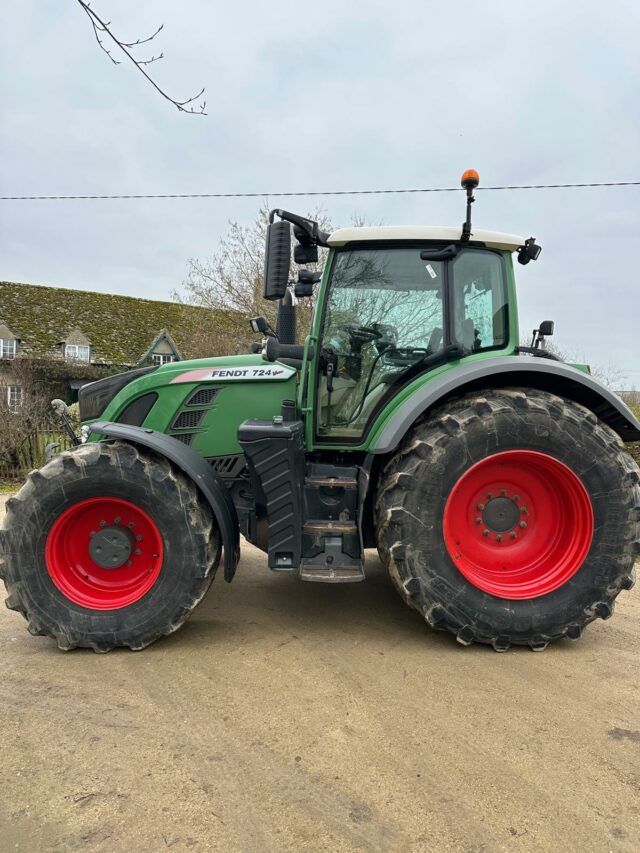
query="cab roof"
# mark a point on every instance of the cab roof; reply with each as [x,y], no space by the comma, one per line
[449,234]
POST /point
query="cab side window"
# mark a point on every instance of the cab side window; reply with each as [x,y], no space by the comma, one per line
[480,315]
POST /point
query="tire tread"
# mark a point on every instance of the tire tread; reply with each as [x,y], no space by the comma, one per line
[150,469]
[424,442]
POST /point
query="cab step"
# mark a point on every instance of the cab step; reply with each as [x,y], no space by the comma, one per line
[331,574]
[330,481]
[333,553]
[330,528]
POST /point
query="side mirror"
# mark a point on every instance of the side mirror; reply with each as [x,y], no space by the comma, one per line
[305,283]
[259,325]
[277,259]
[545,331]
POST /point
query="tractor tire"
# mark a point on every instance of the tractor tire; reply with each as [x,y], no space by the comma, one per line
[107,546]
[510,517]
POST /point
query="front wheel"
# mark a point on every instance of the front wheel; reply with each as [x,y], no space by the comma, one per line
[107,546]
[510,517]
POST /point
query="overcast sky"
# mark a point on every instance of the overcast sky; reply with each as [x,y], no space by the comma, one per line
[331,95]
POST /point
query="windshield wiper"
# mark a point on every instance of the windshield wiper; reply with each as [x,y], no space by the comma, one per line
[449,353]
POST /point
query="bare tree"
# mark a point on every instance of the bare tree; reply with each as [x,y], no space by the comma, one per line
[101,29]
[608,374]
[27,423]
[230,283]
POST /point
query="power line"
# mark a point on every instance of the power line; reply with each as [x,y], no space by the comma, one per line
[312,192]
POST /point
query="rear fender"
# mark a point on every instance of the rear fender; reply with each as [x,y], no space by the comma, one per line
[198,470]
[508,371]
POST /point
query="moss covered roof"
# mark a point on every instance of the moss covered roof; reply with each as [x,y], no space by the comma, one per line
[121,329]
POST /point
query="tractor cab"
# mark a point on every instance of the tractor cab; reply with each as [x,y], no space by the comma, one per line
[398,302]
[394,303]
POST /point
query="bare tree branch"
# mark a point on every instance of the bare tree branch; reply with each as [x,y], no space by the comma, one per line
[142,41]
[103,27]
[230,283]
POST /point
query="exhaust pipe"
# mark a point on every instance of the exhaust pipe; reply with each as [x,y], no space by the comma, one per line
[286,320]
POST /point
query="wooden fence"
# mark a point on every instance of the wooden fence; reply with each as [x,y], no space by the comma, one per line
[24,442]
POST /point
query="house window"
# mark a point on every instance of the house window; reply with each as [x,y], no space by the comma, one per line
[7,348]
[77,352]
[14,397]
[162,358]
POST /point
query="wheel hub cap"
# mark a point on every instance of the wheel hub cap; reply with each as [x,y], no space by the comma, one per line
[111,547]
[501,515]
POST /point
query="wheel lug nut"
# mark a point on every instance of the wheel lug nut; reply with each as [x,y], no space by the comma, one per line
[485,532]
[523,524]
[131,525]
[489,496]
[117,519]
[139,538]
[512,535]
[498,538]
[524,510]
[480,507]
[103,524]
[137,551]
[503,493]
[478,521]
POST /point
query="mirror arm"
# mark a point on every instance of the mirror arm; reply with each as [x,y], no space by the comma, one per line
[310,228]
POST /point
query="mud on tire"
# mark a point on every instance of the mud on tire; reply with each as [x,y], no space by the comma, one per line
[191,546]
[418,480]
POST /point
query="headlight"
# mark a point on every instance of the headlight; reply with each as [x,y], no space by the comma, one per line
[85,431]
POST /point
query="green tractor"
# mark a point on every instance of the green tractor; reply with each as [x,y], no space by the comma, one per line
[491,477]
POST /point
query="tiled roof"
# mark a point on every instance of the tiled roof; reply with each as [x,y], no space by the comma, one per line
[121,328]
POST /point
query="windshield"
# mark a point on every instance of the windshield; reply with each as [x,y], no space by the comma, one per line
[385,314]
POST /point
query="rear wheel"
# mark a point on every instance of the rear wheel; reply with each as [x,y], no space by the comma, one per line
[510,517]
[107,546]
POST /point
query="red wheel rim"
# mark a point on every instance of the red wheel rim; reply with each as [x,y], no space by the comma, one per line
[518,524]
[104,553]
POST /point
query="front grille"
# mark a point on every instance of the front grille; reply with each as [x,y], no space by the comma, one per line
[184,437]
[227,466]
[188,420]
[202,397]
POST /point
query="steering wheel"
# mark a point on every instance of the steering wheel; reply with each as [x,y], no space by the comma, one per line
[361,334]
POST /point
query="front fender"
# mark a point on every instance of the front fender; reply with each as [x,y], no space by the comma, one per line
[198,470]
[507,371]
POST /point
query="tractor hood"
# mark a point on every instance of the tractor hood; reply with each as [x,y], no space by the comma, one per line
[232,370]
[200,402]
